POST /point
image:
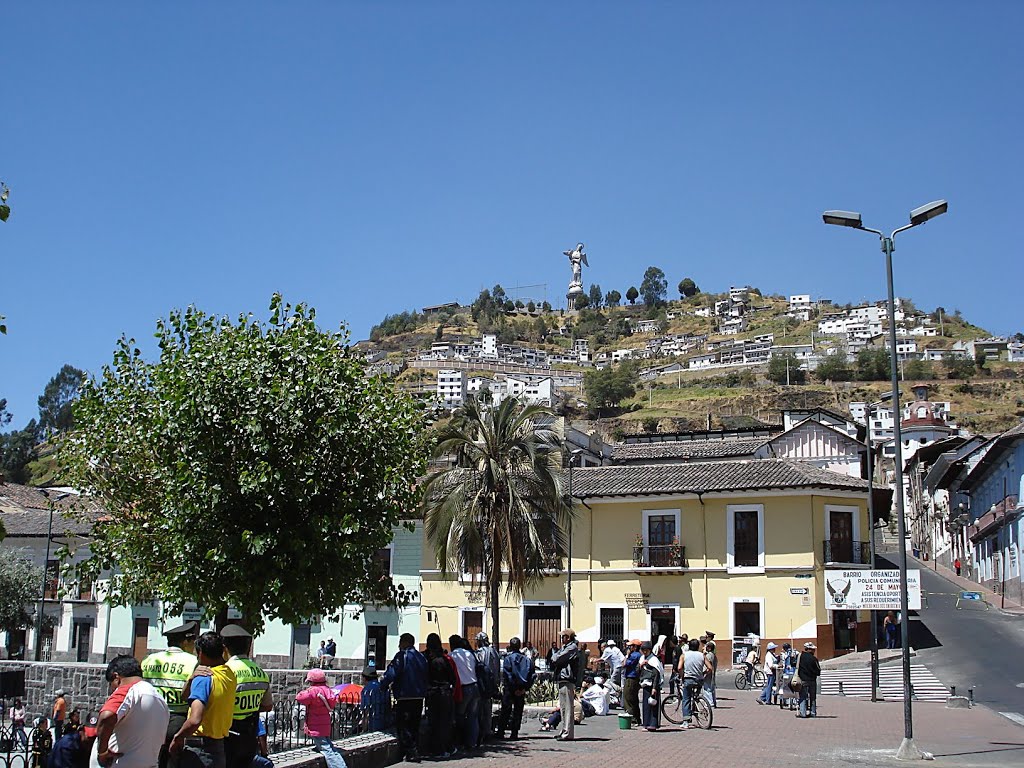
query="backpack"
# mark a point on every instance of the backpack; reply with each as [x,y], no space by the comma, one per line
[488,685]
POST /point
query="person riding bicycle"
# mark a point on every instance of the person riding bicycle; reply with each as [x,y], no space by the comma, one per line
[694,667]
[750,662]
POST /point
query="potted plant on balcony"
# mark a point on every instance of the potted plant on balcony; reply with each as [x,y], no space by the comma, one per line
[639,553]
[675,553]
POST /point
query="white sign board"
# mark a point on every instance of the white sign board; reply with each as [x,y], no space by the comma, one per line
[870,590]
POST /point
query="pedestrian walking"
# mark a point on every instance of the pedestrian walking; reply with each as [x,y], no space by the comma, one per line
[441,686]
[567,666]
[132,722]
[890,627]
[652,674]
[808,670]
[210,693]
[406,677]
[631,682]
[467,712]
[770,662]
[517,675]
[695,667]
[252,696]
[956,565]
[17,717]
[489,677]
[710,687]
[320,701]
[168,671]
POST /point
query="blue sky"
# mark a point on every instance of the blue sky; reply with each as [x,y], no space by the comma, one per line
[373,157]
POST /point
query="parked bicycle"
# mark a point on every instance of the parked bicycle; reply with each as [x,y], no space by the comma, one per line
[759,679]
[702,715]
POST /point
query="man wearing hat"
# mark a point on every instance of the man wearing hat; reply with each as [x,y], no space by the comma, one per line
[631,680]
[770,663]
[252,696]
[374,703]
[72,750]
[808,670]
[168,671]
[567,666]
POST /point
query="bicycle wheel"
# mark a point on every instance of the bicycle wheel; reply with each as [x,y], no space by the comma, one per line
[703,714]
[760,678]
[741,681]
[672,708]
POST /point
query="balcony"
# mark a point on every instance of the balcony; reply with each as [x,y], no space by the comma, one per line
[847,552]
[667,557]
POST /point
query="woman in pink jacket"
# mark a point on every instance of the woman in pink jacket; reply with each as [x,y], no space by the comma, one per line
[319,701]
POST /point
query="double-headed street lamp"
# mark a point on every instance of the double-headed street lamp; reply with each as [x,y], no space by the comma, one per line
[908,750]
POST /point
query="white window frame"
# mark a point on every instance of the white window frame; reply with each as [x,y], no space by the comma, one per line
[732,613]
[481,609]
[730,521]
[649,513]
[625,619]
[854,510]
[654,606]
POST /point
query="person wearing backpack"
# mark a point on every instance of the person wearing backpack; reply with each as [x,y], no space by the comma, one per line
[517,675]
[488,674]
[567,666]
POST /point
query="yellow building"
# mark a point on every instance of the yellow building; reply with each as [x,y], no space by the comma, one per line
[735,547]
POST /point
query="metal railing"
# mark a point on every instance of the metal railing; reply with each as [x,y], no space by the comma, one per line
[17,746]
[660,556]
[286,730]
[857,552]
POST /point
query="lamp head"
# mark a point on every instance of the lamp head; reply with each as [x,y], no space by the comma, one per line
[927,212]
[843,219]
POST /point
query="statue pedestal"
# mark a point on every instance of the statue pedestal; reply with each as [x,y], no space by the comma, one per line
[575,290]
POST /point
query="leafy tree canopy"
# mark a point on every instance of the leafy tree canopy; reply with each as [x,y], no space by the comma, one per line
[19,588]
[783,366]
[55,404]
[392,325]
[608,387]
[632,294]
[595,295]
[612,298]
[958,367]
[834,367]
[688,288]
[654,287]
[873,364]
[252,465]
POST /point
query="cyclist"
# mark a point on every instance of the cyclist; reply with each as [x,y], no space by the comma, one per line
[749,663]
[694,667]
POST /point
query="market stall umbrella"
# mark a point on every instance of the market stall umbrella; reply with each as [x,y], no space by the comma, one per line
[348,693]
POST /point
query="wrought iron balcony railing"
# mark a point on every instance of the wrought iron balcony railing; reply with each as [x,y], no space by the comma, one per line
[660,556]
[841,551]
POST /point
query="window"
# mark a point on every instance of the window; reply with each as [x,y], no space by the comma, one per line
[661,530]
[52,580]
[745,537]
[382,559]
[612,624]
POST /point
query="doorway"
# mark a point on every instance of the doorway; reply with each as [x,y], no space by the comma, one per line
[663,622]
[82,639]
[746,619]
[844,630]
[542,625]
[472,624]
[140,641]
[377,646]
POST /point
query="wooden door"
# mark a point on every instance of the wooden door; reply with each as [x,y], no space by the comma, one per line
[472,623]
[83,639]
[140,642]
[841,535]
[543,625]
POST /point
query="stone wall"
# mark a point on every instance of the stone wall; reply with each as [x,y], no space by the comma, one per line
[85,688]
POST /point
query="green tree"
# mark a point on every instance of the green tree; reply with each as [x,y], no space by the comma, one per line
[607,387]
[958,367]
[918,370]
[654,287]
[55,404]
[835,367]
[499,513]
[243,460]
[873,364]
[596,296]
[612,298]
[582,301]
[19,589]
[17,451]
[546,306]
[632,294]
[688,288]
[531,307]
[5,209]
[785,366]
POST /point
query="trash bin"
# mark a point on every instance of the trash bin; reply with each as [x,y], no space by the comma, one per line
[625,722]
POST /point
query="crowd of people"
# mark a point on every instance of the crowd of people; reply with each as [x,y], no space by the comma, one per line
[791,677]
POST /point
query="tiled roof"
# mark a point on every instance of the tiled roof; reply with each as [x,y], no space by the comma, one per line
[34,522]
[25,511]
[685,450]
[708,477]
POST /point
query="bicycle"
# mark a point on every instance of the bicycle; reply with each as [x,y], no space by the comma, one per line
[759,679]
[702,714]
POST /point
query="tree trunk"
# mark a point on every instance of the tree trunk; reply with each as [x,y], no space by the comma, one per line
[493,589]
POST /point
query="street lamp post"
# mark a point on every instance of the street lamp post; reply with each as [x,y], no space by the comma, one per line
[573,456]
[907,750]
[46,573]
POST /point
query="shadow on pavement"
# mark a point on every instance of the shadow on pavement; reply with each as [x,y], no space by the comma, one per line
[1010,747]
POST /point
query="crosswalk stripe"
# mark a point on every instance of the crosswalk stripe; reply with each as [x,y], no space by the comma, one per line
[857,682]
[1015,716]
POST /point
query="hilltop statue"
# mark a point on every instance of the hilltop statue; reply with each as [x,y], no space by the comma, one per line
[577,259]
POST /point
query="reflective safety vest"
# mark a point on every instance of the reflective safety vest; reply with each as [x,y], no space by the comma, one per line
[168,671]
[253,682]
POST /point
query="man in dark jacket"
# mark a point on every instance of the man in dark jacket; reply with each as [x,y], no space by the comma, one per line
[567,668]
[631,682]
[517,676]
[809,670]
[406,675]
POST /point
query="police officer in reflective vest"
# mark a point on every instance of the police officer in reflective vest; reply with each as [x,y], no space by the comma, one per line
[168,671]
[252,696]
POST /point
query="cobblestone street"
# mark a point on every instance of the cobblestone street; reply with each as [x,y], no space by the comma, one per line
[847,731]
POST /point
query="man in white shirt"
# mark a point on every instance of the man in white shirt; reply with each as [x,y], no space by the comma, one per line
[614,658]
[598,696]
[770,663]
[467,711]
[133,721]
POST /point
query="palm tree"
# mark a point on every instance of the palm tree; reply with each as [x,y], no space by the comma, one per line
[500,508]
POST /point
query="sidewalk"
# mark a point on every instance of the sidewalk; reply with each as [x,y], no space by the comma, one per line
[966,585]
[847,731]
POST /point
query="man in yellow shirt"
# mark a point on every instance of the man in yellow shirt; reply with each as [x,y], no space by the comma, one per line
[211,704]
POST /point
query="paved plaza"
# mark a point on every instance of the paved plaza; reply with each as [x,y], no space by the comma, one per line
[847,731]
